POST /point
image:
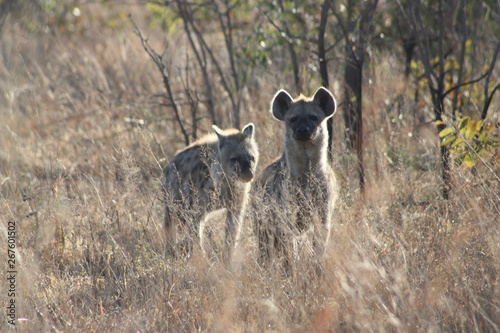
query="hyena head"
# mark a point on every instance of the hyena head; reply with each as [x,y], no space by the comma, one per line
[303,116]
[238,153]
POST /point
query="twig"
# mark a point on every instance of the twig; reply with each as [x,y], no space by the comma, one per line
[158,60]
[489,97]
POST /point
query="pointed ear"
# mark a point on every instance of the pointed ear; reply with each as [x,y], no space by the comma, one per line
[218,131]
[249,129]
[280,104]
[326,101]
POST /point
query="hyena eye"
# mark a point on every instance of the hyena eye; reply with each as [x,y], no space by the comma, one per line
[234,160]
[294,119]
[313,117]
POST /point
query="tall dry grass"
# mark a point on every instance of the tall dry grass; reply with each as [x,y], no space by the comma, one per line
[81,179]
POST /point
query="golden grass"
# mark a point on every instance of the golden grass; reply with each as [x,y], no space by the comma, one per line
[82,183]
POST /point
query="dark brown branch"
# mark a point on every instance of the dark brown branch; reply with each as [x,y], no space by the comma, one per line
[204,45]
[291,51]
[323,65]
[464,84]
[488,102]
[158,60]
[200,58]
[489,97]
[345,31]
[288,36]
[192,101]
[422,38]
[227,30]
[461,61]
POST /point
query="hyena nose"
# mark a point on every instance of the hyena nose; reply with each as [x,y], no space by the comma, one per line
[303,129]
[302,133]
[246,173]
[246,176]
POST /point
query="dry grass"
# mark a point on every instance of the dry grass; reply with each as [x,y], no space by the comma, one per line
[82,182]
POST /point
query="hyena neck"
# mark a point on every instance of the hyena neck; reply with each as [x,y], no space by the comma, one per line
[213,162]
[306,158]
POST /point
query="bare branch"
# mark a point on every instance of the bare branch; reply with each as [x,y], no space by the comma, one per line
[289,37]
[200,58]
[415,21]
[158,60]
[345,32]
[440,46]
[323,65]
[461,61]
[464,84]
[489,97]
[193,101]
[291,50]
[227,30]
[488,102]
[208,50]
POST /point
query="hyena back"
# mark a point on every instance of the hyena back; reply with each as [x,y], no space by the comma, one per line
[212,173]
[295,195]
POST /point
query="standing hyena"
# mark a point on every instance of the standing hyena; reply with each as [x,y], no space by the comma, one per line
[212,173]
[295,195]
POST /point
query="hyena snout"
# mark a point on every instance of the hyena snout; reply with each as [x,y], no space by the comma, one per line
[246,176]
[244,170]
[304,130]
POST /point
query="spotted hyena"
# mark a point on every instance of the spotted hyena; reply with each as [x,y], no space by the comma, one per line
[212,173]
[294,196]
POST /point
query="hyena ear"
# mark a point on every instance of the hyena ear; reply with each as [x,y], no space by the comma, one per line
[326,101]
[218,131]
[220,135]
[249,129]
[280,104]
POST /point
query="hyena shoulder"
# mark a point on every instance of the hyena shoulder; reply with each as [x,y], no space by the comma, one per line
[271,176]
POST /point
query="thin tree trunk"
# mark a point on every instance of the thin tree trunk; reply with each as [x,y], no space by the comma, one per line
[353,115]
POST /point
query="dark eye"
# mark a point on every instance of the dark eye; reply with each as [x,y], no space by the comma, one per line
[235,160]
[294,119]
[313,117]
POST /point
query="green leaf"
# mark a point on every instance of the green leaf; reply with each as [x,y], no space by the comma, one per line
[478,125]
[457,142]
[471,123]
[463,122]
[468,133]
[414,65]
[469,160]
[448,140]
[446,131]
[483,137]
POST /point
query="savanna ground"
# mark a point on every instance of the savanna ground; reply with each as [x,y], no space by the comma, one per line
[83,142]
